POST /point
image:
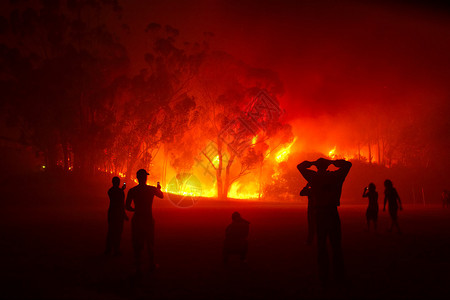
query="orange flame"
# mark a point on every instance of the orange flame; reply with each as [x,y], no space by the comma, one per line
[283,154]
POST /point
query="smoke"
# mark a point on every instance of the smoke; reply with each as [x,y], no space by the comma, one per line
[348,67]
[332,56]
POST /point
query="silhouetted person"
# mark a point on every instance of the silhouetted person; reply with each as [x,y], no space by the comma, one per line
[236,238]
[326,188]
[306,191]
[393,199]
[445,198]
[116,215]
[142,224]
[372,210]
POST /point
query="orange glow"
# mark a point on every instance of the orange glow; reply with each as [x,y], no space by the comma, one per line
[283,154]
[251,185]
[254,139]
[332,153]
[216,161]
[244,191]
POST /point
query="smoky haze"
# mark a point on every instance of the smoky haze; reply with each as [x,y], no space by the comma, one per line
[346,66]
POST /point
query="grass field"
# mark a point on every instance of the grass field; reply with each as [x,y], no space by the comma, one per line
[53,248]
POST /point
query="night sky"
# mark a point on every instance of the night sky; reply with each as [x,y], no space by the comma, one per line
[331,55]
[341,62]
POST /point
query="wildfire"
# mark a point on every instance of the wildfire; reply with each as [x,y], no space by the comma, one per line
[249,187]
[254,139]
[246,191]
[216,161]
[332,153]
[283,154]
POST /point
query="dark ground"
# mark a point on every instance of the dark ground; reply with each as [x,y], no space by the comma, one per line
[52,245]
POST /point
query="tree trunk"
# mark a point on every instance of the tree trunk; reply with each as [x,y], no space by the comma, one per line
[164,173]
[131,162]
[220,190]
[51,157]
[227,184]
[379,151]
[66,156]
[260,178]
[359,152]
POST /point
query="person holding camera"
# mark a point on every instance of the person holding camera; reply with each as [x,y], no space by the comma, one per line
[142,224]
[326,188]
[311,213]
[372,210]
[116,215]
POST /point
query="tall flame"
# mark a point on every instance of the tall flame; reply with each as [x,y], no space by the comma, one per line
[283,154]
[332,153]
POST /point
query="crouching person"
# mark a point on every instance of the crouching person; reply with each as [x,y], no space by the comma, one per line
[236,238]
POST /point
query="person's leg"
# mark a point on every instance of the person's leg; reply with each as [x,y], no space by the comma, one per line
[395,220]
[392,220]
[150,241]
[368,219]
[375,220]
[311,226]
[108,247]
[336,246]
[393,214]
[225,254]
[118,228]
[138,244]
[244,252]
[322,253]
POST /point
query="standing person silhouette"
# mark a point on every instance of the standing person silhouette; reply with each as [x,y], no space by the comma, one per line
[116,215]
[306,191]
[393,199]
[142,224]
[445,198]
[372,210]
[326,188]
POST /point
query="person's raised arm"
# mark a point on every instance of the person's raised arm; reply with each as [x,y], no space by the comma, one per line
[122,198]
[128,201]
[305,191]
[399,201]
[303,167]
[365,193]
[158,192]
[342,164]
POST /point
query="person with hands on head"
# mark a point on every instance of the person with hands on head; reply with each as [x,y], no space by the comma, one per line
[326,188]
[142,224]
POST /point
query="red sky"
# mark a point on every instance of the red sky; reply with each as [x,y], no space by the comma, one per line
[331,55]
